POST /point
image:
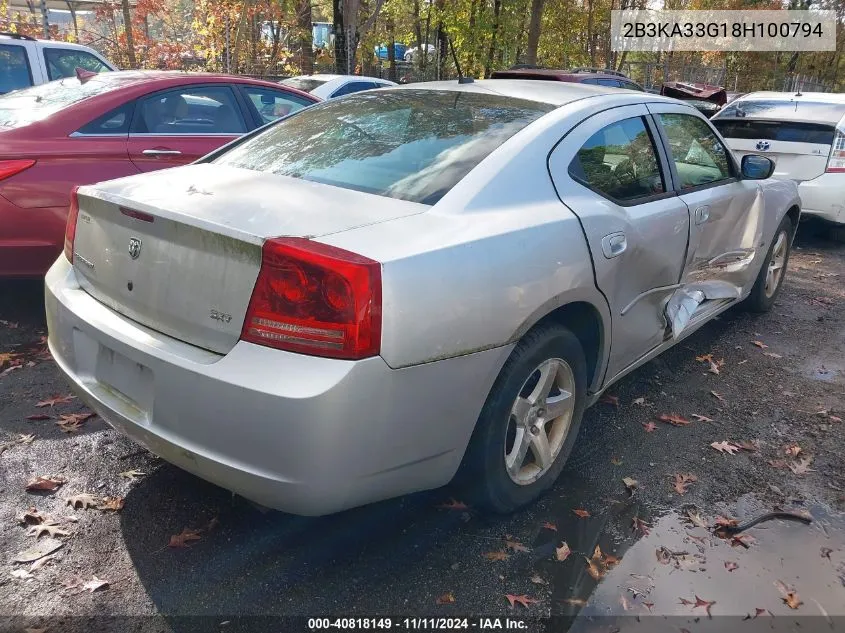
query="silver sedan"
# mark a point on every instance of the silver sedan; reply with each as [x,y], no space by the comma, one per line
[386,292]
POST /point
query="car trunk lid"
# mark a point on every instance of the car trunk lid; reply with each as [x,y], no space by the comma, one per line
[800,150]
[179,250]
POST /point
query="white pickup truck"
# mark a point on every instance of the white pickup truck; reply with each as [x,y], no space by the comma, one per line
[26,61]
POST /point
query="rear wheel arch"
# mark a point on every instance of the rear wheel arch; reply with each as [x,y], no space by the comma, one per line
[794,214]
[587,322]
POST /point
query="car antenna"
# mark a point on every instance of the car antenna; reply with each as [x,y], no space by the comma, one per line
[461,78]
[84,75]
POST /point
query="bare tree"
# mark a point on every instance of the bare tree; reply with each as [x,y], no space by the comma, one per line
[130,41]
[534,26]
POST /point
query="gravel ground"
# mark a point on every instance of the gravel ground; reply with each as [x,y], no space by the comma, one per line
[402,557]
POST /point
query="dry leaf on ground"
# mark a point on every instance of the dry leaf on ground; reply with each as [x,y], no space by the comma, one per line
[683,481]
[45,484]
[696,519]
[701,418]
[515,546]
[718,396]
[49,402]
[562,552]
[725,447]
[788,595]
[581,513]
[609,399]
[649,427]
[760,344]
[674,419]
[497,555]
[184,538]
[550,526]
[801,466]
[523,600]
[114,504]
[94,584]
[640,402]
[131,475]
[51,530]
[730,565]
[638,525]
[446,598]
[83,501]
[630,484]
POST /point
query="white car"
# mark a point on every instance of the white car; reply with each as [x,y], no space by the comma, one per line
[328,86]
[804,134]
[25,61]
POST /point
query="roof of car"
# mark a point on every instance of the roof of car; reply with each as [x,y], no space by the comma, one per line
[552,92]
[562,75]
[330,77]
[818,97]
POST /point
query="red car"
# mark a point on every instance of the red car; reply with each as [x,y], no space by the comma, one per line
[595,76]
[91,128]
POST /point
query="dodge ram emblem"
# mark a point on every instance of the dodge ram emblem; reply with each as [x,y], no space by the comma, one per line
[134,247]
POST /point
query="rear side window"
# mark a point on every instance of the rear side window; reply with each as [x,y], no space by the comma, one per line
[407,144]
[700,157]
[793,132]
[63,62]
[115,122]
[351,87]
[274,104]
[14,68]
[619,162]
[306,84]
[189,110]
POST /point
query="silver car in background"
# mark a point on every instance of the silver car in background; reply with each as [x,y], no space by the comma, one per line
[382,292]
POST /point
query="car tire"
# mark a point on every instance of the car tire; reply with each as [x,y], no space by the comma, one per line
[765,290]
[489,475]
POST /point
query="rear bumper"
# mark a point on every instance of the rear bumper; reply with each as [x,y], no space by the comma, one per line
[824,197]
[297,433]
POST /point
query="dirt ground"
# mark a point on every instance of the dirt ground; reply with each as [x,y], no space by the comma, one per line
[778,396]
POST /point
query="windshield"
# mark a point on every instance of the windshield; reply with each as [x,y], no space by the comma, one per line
[37,103]
[408,144]
[306,84]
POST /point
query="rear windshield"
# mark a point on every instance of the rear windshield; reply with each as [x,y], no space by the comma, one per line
[407,144]
[34,104]
[784,110]
[306,84]
[776,131]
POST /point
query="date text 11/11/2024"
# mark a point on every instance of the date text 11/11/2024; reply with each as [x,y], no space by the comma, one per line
[417,624]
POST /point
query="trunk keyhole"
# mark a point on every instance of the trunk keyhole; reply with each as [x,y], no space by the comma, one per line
[129,286]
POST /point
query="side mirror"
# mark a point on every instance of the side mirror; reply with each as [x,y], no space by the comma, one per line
[756,167]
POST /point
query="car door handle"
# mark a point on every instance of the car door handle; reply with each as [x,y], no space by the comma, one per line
[161,152]
[702,214]
[613,245]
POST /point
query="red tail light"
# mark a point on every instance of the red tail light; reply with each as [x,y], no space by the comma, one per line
[11,167]
[315,299]
[70,227]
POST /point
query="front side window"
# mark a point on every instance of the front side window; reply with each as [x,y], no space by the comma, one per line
[700,157]
[408,144]
[274,104]
[351,87]
[619,162]
[63,62]
[190,110]
[14,68]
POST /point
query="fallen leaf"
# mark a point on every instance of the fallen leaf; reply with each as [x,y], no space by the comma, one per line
[801,466]
[39,417]
[446,598]
[833,418]
[451,505]
[772,355]
[40,550]
[71,423]
[593,569]
[114,504]
[745,540]
[696,519]
[750,446]
[608,399]
[32,517]
[182,539]
[674,419]
[640,402]
[705,358]
[789,596]
[683,481]
[132,475]
[581,513]
[792,450]
[94,584]
[550,526]
[760,344]
[725,447]
[9,370]
[22,574]
[630,484]
[718,396]
[714,366]
[516,546]
[83,500]
[38,564]
[778,463]
[730,565]
[638,525]
[562,552]
[648,605]
[537,580]
[575,602]
[825,552]
[498,555]
[523,600]
[49,402]
[45,483]
[722,522]
[649,427]
[615,461]
[700,418]
[704,603]
[51,530]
